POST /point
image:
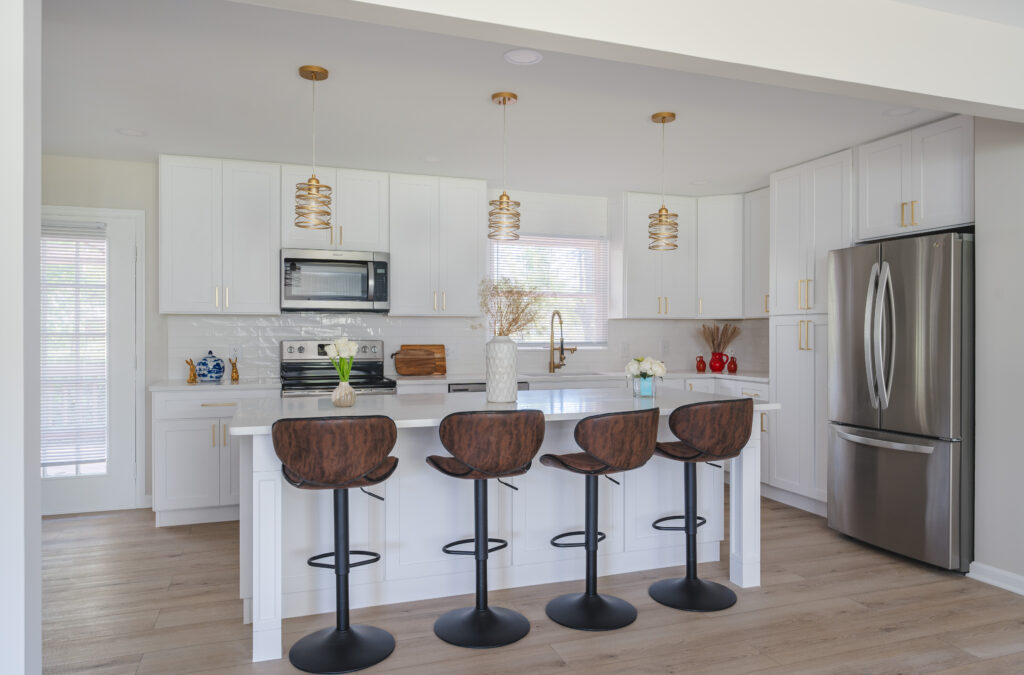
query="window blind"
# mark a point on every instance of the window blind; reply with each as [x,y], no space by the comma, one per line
[571,274]
[73,336]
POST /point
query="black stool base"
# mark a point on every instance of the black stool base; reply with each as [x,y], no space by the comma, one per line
[481,629]
[693,595]
[591,612]
[341,651]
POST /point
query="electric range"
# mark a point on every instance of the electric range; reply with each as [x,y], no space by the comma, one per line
[307,371]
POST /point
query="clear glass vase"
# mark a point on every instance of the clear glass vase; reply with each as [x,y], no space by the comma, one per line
[644,387]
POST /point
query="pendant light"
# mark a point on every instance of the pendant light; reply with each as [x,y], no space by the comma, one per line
[313,198]
[663,228]
[503,218]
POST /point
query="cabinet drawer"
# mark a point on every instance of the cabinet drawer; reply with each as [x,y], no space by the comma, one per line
[754,390]
[201,404]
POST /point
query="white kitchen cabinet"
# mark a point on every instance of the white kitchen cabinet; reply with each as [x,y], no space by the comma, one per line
[438,228]
[359,210]
[811,214]
[798,459]
[720,256]
[704,384]
[921,179]
[219,243]
[756,249]
[658,284]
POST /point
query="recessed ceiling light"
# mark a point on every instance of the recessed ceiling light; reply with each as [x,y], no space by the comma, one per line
[131,132]
[899,112]
[523,57]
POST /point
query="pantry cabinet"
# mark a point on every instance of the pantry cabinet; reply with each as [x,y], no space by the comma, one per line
[811,214]
[659,284]
[720,257]
[219,238]
[359,210]
[438,229]
[756,249]
[921,179]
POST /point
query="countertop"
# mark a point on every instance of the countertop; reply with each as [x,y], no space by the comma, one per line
[460,378]
[255,416]
[269,383]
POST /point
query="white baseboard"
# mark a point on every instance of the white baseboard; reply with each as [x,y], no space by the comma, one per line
[210,514]
[994,576]
[796,501]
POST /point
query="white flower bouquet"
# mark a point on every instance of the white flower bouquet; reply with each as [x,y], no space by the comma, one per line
[341,353]
[645,367]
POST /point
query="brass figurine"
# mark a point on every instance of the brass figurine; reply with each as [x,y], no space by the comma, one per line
[192,379]
[234,370]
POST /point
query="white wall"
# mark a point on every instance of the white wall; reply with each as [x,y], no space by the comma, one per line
[20,571]
[999,322]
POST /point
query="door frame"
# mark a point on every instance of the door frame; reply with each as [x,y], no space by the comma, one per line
[135,219]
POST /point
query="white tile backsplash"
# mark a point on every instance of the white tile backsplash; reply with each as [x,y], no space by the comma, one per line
[258,338]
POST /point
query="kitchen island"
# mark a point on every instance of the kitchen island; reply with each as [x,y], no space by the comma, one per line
[280,527]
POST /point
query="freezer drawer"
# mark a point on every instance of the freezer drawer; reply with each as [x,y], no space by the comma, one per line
[901,493]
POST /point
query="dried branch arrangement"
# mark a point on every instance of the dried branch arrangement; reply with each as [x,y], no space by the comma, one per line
[718,338]
[510,307]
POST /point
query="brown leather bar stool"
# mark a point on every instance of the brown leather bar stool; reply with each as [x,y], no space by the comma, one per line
[338,453]
[707,432]
[611,443]
[493,444]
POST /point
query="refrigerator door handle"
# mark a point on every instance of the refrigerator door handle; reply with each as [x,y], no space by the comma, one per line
[869,315]
[887,445]
[883,388]
[892,336]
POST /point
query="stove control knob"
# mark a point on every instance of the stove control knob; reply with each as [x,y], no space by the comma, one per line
[373,349]
[291,350]
[302,350]
[364,349]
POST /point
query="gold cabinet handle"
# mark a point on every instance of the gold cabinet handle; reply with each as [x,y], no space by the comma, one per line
[913,218]
[659,304]
[800,294]
[444,301]
[700,306]
[807,293]
[666,304]
[227,297]
[691,386]
[800,334]
[224,434]
[752,394]
[216,297]
[763,415]
[435,301]
[903,214]
[807,335]
[339,234]
[213,435]
[766,303]
[217,405]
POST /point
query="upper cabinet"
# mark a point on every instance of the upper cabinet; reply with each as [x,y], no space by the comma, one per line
[920,179]
[720,257]
[359,210]
[438,230]
[811,214]
[756,232]
[219,245]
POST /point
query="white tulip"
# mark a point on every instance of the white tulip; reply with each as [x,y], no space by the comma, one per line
[659,369]
[346,348]
[331,351]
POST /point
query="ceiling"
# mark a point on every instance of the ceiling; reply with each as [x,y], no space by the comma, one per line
[215,78]
[1010,12]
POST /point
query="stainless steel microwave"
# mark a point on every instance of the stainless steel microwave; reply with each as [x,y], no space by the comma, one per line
[334,281]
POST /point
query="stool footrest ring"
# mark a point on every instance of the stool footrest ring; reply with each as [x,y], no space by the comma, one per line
[669,528]
[447,548]
[371,558]
[577,544]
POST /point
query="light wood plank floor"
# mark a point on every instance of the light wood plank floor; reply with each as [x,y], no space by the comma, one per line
[121,596]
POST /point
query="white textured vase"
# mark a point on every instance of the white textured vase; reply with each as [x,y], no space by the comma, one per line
[343,396]
[502,385]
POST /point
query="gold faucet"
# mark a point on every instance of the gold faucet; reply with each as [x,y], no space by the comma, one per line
[552,366]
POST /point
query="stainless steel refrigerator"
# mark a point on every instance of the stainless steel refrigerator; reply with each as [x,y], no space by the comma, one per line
[901,396]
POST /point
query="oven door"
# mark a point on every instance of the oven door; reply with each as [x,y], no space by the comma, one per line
[333,280]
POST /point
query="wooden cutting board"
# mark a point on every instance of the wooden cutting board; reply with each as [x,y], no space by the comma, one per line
[440,364]
[415,361]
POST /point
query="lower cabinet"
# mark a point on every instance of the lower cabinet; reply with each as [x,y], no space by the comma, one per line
[195,460]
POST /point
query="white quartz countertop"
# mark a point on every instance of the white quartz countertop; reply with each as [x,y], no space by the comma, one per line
[256,416]
[460,378]
[223,385]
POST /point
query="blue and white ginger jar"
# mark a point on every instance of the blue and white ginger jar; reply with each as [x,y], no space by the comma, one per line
[210,368]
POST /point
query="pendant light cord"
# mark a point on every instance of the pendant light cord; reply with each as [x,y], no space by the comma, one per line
[314,125]
[662,163]
[504,145]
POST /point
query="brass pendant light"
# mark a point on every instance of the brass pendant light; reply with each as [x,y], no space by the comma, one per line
[503,218]
[313,198]
[663,228]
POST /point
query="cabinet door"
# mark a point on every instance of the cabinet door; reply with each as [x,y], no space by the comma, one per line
[829,221]
[883,186]
[720,256]
[793,384]
[788,264]
[943,161]
[300,237]
[679,267]
[190,235]
[463,231]
[414,245]
[252,252]
[361,210]
[816,460]
[756,244]
[186,464]
[643,296]
[229,467]
[704,384]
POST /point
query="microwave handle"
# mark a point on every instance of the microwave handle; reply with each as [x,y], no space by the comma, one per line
[370,282]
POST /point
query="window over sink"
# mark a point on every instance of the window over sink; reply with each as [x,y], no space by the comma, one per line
[571,273]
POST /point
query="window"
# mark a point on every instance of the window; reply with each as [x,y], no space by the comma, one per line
[572,275]
[73,364]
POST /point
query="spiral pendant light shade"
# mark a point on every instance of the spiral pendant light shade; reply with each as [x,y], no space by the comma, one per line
[313,198]
[663,230]
[503,218]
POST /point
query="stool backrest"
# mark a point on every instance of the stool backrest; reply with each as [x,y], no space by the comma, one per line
[493,441]
[622,440]
[333,450]
[716,429]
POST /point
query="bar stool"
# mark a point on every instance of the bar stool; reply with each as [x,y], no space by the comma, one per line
[707,432]
[493,444]
[338,453]
[611,443]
